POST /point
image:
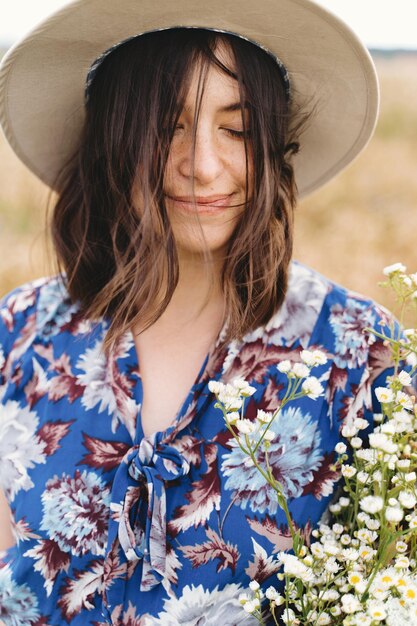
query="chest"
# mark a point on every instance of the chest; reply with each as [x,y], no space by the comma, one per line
[168,371]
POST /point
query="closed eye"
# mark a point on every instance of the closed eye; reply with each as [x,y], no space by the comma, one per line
[239,134]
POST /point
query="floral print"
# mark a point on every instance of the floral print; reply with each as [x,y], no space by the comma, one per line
[76,511]
[294,455]
[117,528]
[105,387]
[18,605]
[198,606]
[349,323]
[20,447]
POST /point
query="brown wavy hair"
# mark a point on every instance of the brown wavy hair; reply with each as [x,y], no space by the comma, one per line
[115,262]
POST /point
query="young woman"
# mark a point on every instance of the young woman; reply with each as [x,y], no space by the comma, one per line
[176,153]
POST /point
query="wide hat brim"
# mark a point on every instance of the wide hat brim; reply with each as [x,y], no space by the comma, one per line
[42,78]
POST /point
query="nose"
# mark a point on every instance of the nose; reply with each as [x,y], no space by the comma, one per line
[203,164]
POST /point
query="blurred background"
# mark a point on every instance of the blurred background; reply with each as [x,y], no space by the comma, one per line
[357,224]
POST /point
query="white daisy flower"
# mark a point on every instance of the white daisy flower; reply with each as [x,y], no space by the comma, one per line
[307,357]
[403,464]
[312,387]
[350,604]
[363,477]
[243,387]
[215,387]
[371,504]
[384,395]
[407,499]
[294,567]
[263,416]
[245,426]
[354,578]
[402,562]
[376,611]
[395,268]
[394,514]
[404,378]
[381,441]
[349,431]
[401,546]
[300,370]
[269,435]
[404,400]
[350,554]
[344,502]
[348,471]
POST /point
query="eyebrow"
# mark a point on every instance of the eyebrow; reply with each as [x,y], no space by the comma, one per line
[228,108]
[235,106]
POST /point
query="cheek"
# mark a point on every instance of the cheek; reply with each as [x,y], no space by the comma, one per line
[250,174]
[240,169]
[169,173]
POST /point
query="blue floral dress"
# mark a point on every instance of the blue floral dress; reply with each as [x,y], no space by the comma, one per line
[113,527]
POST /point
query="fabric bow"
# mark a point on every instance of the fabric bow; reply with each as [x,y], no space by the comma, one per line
[140,480]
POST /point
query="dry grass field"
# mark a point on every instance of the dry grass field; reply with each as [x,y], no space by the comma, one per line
[349,230]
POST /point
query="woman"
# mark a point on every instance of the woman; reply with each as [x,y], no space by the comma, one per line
[174,154]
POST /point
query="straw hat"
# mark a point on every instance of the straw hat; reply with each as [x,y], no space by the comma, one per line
[43,77]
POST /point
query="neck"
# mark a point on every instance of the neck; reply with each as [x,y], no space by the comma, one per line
[199,291]
[197,302]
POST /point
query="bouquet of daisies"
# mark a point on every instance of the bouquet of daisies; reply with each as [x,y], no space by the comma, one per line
[361,568]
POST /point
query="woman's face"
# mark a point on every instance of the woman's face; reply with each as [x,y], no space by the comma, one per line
[206,198]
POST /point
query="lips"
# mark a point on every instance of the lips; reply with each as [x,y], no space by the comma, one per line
[202,202]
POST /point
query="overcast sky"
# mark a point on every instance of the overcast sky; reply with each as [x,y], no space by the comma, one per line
[380,23]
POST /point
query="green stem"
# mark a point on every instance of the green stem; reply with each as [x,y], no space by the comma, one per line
[268,476]
[290,395]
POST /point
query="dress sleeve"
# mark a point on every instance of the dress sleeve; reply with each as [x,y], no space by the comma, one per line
[4,340]
[17,326]
[7,557]
[17,331]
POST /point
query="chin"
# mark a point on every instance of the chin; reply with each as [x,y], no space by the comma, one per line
[203,241]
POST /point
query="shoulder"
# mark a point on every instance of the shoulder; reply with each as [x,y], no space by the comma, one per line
[310,288]
[307,287]
[351,320]
[43,296]
[306,293]
[34,309]
[316,308]
[347,324]
[318,312]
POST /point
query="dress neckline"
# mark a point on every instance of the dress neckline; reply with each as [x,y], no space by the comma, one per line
[126,359]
